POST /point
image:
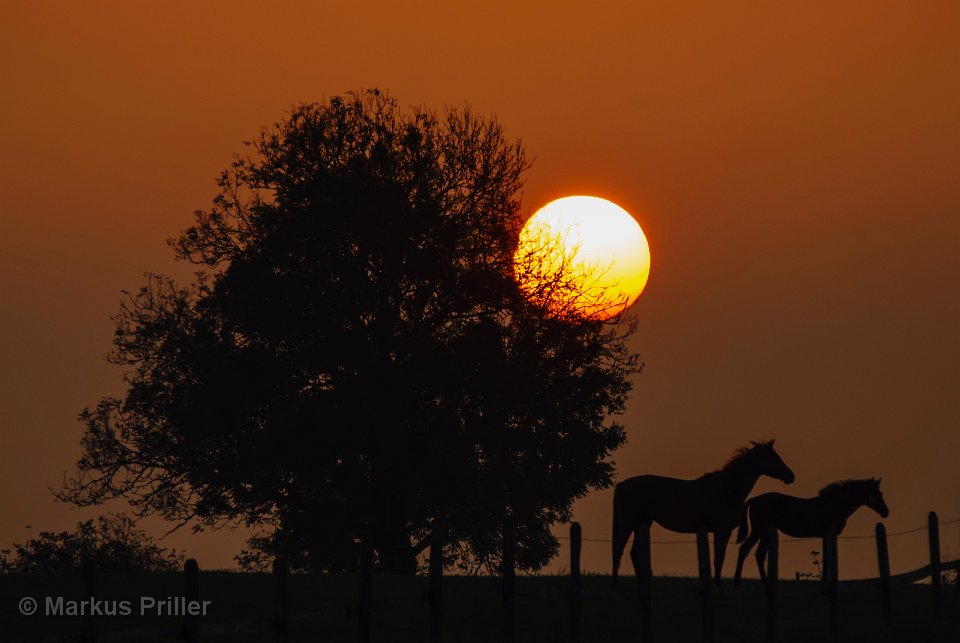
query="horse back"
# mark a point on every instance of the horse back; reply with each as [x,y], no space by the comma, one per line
[650,489]
[677,504]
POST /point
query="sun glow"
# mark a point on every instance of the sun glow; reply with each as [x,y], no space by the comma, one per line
[582,255]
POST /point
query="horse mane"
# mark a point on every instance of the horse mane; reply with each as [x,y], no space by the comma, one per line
[835,488]
[740,454]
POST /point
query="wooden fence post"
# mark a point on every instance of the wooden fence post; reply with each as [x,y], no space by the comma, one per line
[436,583]
[883,562]
[825,565]
[706,585]
[508,580]
[576,587]
[191,592]
[773,578]
[835,569]
[829,562]
[832,573]
[365,602]
[640,554]
[281,606]
[88,578]
[933,527]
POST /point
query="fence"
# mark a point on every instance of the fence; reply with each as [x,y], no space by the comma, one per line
[193,630]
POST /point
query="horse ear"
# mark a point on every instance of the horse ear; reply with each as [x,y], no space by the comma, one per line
[771,442]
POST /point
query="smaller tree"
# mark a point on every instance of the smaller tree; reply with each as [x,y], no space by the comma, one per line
[112,542]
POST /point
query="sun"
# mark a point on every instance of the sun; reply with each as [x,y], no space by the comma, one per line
[582,255]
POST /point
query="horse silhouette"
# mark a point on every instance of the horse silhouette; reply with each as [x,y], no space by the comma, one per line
[804,517]
[714,502]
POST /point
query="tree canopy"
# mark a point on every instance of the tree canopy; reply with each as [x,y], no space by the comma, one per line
[354,359]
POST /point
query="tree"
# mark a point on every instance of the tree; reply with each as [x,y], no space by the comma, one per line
[355,360]
[112,542]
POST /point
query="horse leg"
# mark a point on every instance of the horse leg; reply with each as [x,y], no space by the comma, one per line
[621,533]
[762,559]
[720,540]
[742,556]
[617,553]
[640,552]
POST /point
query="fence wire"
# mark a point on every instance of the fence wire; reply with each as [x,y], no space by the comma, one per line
[784,540]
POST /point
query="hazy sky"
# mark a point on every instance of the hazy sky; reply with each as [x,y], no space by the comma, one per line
[795,170]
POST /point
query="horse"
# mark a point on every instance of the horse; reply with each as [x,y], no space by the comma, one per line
[804,517]
[714,502]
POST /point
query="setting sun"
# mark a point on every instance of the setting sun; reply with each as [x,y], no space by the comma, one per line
[584,255]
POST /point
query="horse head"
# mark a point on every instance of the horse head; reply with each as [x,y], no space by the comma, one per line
[769,462]
[875,498]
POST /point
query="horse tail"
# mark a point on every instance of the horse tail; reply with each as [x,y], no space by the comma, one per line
[742,531]
[621,530]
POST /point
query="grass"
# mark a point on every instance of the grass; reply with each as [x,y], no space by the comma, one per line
[472,609]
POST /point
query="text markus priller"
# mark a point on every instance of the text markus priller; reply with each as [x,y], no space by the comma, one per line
[148,606]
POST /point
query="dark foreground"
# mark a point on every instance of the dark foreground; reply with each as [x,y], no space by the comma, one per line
[472,609]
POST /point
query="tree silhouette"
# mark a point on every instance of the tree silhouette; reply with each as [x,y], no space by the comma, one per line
[355,360]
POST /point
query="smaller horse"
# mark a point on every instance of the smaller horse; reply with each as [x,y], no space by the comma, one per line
[804,517]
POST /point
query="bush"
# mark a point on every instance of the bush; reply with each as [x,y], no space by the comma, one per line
[112,542]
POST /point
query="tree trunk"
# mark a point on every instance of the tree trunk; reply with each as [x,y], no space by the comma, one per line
[392,543]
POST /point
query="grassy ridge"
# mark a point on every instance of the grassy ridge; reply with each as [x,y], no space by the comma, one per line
[472,608]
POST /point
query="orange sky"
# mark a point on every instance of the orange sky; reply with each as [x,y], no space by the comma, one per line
[794,169]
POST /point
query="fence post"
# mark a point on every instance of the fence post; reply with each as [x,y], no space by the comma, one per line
[282,612]
[191,592]
[436,583]
[508,580]
[933,527]
[706,585]
[640,554]
[88,578]
[883,562]
[832,574]
[831,564]
[834,551]
[365,603]
[576,588]
[773,578]
[825,566]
